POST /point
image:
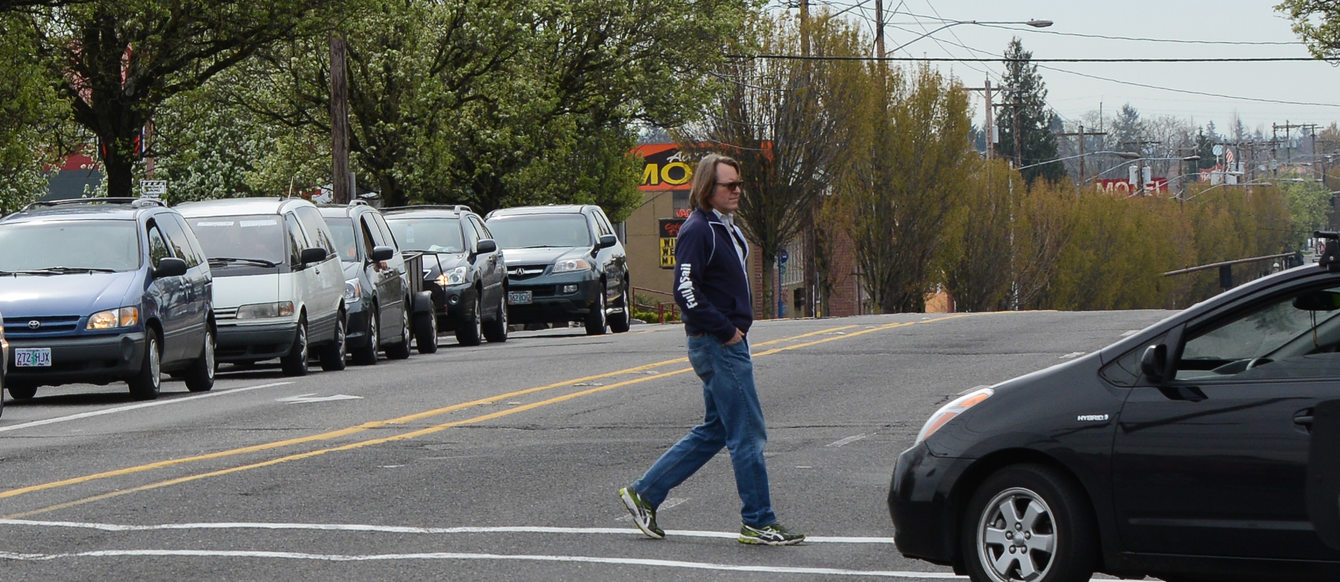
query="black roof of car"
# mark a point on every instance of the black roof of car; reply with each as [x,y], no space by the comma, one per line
[103,207]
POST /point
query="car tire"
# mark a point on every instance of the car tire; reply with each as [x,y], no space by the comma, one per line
[332,354]
[400,349]
[21,391]
[622,320]
[425,332]
[595,320]
[295,362]
[496,329]
[1028,522]
[470,330]
[147,382]
[366,355]
[200,376]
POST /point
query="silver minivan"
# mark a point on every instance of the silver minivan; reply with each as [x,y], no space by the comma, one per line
[278,282]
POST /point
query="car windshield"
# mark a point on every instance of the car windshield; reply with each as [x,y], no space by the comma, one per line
[541,230]
[438,235]
[65,246]
[342,228]
[259,237]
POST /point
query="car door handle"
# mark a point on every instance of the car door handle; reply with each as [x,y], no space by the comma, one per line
[1303,417]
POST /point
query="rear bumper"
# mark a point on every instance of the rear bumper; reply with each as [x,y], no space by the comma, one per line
[96,359]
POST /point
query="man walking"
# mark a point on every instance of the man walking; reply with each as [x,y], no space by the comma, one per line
[712,290]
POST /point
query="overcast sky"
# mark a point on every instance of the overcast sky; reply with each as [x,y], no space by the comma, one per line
[1260,93]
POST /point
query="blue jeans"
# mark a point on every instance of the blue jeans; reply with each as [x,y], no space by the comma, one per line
[734,419]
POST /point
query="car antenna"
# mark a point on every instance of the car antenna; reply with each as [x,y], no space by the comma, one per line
[1330,256]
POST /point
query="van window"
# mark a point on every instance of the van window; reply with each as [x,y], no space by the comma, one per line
[318,232]
[297,241]
[371,237]
[385,229]
[158,247]
[176,239]
[241,237]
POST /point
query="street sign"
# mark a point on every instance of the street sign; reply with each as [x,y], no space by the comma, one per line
[782,257]
[153,188]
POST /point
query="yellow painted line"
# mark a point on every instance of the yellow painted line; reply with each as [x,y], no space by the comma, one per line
[405,419]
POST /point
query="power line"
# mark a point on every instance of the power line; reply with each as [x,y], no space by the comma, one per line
[1033,60]
[1161,40]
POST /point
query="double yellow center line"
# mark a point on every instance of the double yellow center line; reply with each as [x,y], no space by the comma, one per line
[833,334]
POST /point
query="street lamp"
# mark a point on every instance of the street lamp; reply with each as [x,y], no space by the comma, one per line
[1035,23]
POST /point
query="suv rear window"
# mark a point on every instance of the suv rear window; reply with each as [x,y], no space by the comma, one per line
[438,235]
[541,230]
[86,244]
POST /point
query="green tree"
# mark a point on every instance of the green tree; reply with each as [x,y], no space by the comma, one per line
[1317,24]
[907,185]
[32,127]
[1025,123]
[115,62]
[981,277]
[786,121]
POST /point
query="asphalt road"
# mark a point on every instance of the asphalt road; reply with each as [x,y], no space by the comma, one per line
[500,462]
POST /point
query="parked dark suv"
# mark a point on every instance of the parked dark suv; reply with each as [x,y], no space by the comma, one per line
[101,290]
[462,268]
[564,264]
[377,294]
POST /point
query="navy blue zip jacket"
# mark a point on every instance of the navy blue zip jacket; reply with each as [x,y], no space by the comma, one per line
[711,287]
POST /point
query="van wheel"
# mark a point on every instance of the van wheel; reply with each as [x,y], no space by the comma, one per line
[145,384]
[425,331]
[200,376]
[400,349]
[595,320]
[295,363]
[367,355]
[469,330]
[332,354]
[496,329]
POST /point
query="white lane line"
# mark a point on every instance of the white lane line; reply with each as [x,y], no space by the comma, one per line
[354,527]
[481,556]
[190,398]
[849,440]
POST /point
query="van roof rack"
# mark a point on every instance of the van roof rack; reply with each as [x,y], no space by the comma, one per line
[452,207]
[131,201]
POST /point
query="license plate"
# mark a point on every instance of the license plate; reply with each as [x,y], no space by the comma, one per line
[518,297]
[32,357]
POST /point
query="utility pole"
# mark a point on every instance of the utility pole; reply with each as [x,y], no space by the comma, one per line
[339,121]
[990,123]
[1081,134]
[879,28]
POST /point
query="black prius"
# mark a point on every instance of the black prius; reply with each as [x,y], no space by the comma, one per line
[1205,447]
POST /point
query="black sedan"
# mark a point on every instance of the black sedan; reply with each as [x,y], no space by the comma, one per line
[1205,447]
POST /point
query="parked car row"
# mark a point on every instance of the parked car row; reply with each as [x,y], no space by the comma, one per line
[103,290]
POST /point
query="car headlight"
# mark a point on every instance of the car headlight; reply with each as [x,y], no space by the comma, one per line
[568,265]
[353,291]
[265,310]
[947,412]
[112,318]
[454,276]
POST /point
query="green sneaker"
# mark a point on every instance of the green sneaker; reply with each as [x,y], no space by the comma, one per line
[772,535]
[643,514]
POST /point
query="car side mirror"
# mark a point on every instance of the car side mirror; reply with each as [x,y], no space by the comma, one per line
[1154,363]
[607,241]
[382,253]
[313,255]
[170,267]
[486,245]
